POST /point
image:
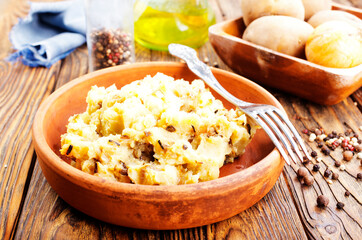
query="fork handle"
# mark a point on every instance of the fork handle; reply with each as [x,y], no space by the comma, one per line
[203,71]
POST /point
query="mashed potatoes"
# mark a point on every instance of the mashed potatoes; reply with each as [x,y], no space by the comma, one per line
[156,131]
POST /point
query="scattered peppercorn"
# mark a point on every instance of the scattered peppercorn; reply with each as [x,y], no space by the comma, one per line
[327,173]
[325,150]
[347,155]
[340,205]
[302,172]
[318,132]
[329,181]
[316,167]
[313,153]
[322,201]
[347,193]
[358,148]
[359,176]
[335,176]
[320,145]
[308,180]
[337,163]
[342,167]
[306,131]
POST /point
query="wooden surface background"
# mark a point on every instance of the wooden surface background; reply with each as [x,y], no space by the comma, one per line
[30,209]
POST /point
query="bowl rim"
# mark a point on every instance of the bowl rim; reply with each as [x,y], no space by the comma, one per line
[137,191]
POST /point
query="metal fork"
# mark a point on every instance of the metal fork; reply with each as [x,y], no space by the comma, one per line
[274,122]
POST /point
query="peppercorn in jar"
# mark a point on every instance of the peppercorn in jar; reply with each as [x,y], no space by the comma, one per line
[110,38]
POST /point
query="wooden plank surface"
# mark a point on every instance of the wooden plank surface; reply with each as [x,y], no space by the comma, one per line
[30,209]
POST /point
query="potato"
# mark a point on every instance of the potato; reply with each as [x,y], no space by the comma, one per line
[280,33]
[330,15]
[335,44]
[253,9]
[313,6]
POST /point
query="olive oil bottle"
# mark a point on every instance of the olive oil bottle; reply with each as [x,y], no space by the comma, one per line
[161,22]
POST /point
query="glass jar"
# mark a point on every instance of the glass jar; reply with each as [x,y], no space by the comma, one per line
[110,33]
[161,22]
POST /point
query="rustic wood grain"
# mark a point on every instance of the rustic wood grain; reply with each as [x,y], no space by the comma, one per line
[10,12]
[329,223]
[21,91]
[30,209]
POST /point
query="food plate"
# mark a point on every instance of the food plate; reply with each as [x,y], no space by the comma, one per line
[270,68]
[242,183]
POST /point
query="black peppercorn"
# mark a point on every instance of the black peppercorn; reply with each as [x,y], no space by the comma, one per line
[347,193]
[337,163]
[359,176]
[313,153]
[322,201]
[316,167]
[340,205]
[327,173]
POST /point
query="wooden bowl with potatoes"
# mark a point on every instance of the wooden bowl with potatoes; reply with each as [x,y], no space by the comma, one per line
[293,53]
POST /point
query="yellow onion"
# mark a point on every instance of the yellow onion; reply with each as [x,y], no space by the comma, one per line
[335,44]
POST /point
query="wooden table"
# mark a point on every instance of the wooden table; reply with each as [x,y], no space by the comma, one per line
[30,209]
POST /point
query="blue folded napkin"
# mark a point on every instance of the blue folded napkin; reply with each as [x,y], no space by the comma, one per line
[49,33]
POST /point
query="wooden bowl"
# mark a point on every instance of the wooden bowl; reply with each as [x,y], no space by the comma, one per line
[291,74]
[242,183]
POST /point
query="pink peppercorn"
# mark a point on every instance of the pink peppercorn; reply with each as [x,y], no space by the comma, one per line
[351,148]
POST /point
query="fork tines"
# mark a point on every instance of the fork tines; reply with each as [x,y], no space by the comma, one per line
[281,131]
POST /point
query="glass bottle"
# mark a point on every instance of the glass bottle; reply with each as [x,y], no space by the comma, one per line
[110,33]
[161,22]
